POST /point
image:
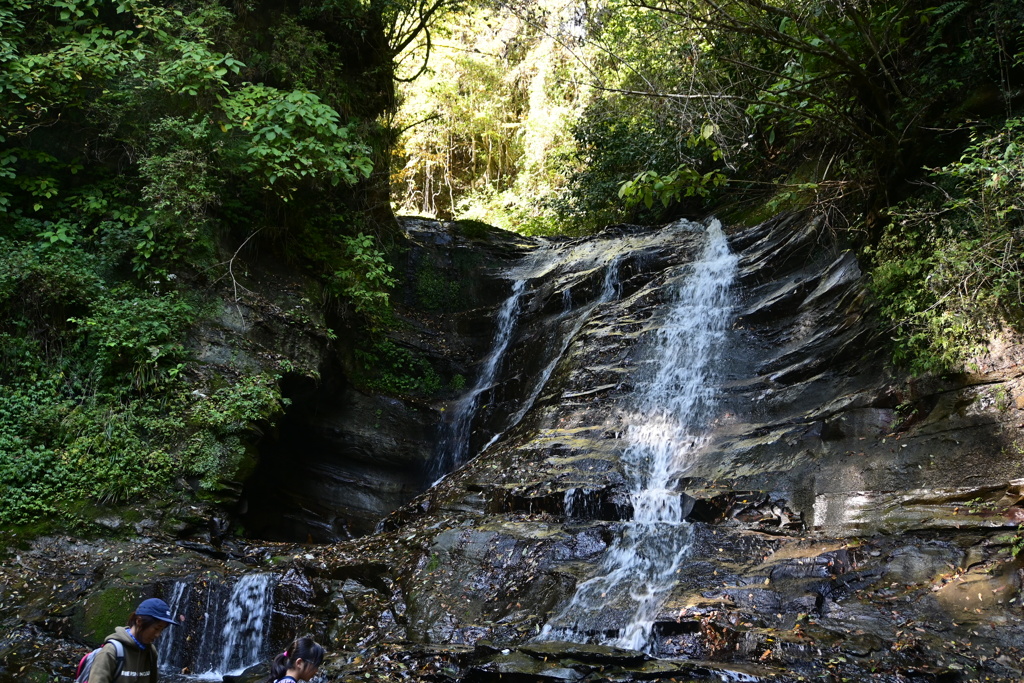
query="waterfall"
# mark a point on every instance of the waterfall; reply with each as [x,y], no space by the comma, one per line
[171,643]
[453,448]
[172,637]
[246,622]
[667,421]
[609,289]
[580,503]
[223,632]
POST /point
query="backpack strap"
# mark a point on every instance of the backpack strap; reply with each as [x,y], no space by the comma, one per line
[119,653]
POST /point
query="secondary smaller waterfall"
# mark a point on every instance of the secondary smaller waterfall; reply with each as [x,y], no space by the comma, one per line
[609,289]
[223,631]
[455,443]
[666,422]
[246,621]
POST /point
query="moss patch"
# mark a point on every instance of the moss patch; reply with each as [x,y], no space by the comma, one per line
[103,611]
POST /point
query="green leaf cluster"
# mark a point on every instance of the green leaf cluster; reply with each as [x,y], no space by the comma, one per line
[287,137]
[150,79]
[393,369]
[365,277]
[683,181]
[949,269]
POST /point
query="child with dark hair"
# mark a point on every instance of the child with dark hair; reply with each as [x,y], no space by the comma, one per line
[145,625]
[298,663]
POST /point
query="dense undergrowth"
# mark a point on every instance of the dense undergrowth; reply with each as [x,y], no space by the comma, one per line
[147,145]
[949,269]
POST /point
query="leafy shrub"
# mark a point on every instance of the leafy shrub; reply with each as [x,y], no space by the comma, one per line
[131,332]
[221,420]
[949,268]
[396,370]
[684,181]
[287,137]
[435,291]
[365,278]
[31,475]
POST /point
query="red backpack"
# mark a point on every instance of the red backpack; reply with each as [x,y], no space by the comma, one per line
[85,666]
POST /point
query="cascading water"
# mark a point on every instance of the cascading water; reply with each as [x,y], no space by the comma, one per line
[609,289]
[573,263]
[667,421]
[454,444]
[246,622]
[222,633]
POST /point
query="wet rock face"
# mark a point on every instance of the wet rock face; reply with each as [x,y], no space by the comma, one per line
[341,460]
[814,414]
[343,457]
[843,519]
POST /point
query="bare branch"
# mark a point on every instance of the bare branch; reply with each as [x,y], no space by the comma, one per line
[231,271]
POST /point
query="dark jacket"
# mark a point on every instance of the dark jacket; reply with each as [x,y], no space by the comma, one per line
[139,665]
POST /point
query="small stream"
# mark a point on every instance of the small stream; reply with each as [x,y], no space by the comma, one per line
[454,444]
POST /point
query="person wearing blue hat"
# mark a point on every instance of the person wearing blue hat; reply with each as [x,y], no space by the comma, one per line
[138,663]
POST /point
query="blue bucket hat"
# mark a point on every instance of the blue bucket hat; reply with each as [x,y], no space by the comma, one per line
[156,608]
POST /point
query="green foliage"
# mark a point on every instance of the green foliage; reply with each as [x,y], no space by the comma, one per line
[1016,542]
[394,369]
[583,107]
[462,116]
[30,474]
[129,331]
[486,126]
[93,400]
[683,181]
[609,151]
[180,184]
[222,419]
[132,140]
[113,448]
[289,136]
[434,562]
[152,83]
[365,279]
[434,290]
[143,143]
[949,268]
[473,229]
[95,406]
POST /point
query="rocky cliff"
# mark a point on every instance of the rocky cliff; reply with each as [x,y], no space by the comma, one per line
[842,520]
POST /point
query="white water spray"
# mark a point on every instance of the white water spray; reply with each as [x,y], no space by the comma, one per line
[246,622]
[667,422]
[227,631]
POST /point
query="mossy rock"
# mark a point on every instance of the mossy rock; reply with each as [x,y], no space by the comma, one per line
[474,230]
[34,675]
[436,290]
[100,613]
